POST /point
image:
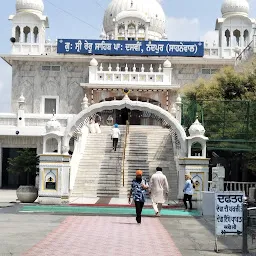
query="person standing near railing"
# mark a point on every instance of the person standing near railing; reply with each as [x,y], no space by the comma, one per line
[115,136]
[188,191]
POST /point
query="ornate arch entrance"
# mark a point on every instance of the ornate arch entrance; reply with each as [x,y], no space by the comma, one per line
[82,118]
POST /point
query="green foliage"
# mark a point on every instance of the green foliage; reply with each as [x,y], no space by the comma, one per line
[251,161]
[226,106]
[26,161]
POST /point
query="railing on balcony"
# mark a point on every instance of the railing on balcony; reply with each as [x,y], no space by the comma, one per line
[138,74]
[236,186]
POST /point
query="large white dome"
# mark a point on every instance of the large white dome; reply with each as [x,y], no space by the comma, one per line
[151,9]
[36,5]
[231,7]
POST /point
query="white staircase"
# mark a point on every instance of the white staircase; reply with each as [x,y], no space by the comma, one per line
[100,169]
[149,147]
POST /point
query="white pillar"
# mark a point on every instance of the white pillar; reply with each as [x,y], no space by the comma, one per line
[14,31]
[146,32]
[125,32]
[65,177]
[116,31]
[22,39]
[31,36]
[178,104]
[167,75]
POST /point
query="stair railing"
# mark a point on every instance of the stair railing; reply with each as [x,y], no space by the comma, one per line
[125,144]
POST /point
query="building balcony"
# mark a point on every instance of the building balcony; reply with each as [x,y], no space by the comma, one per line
[133,76]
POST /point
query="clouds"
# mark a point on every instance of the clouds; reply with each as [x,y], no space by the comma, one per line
[185,29]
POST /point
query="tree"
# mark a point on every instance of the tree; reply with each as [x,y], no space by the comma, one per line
[27,162]
[226,105]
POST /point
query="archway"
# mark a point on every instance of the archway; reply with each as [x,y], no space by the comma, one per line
[81,119]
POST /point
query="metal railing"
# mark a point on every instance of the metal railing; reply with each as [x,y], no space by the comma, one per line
[246,53]
[127,129]
[236,186]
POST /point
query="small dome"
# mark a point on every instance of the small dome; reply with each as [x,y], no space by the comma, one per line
[140,9]
[36,5]
[196,129]
[178,100]
[21,98]
[231,7]
[93,62]
[53,126]
[167,64]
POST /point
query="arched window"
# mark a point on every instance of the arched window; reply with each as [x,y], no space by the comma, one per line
[26,32]
[246,37]
[141,33]
[35,33]
[121,30]
[196,149]
[131,31]
[17,34]
[227,35]
[237,35]
[52,145]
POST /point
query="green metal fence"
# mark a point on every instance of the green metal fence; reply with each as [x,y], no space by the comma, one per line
[230,125]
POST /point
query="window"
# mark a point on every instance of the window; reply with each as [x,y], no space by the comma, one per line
[206,71]
[55,68]
[237,36]
[246,36]
[35,32]
[26,32]
[227,35]
[214,70]
[121,30]
[209,71]
[46,68]
[196,149]
[17,33]
[50,106]
[51,68]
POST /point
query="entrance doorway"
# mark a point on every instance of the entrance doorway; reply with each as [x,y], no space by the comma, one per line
[13,180]
[122,116]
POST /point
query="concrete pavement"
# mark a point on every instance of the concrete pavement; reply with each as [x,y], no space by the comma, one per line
[31,234]
[36,234]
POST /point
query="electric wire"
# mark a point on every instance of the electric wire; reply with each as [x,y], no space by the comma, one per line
[72,15]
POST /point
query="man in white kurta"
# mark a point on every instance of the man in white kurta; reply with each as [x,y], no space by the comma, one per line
[159,190]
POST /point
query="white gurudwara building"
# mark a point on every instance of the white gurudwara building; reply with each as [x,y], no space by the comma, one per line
[61,90]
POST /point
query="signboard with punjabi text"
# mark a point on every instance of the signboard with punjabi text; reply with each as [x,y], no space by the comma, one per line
[229,213]
[130,48]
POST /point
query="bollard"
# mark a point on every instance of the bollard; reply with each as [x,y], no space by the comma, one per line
[245,225]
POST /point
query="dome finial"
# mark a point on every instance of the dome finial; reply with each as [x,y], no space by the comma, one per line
[235,7]
[25,5]
[140,12]
[196,129]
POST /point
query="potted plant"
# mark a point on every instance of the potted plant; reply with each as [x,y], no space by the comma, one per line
[27,162]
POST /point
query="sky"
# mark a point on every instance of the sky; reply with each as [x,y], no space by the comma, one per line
[186,20]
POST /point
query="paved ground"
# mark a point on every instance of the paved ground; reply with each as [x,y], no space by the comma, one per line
[36,234]
[47,234]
